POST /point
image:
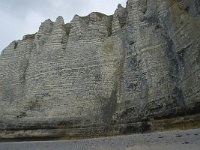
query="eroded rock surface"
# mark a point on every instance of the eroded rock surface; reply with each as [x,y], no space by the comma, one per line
[98,71]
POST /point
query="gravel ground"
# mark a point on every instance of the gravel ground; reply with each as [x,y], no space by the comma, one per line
[171,140]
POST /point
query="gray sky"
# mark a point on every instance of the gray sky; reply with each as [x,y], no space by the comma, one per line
[20,17]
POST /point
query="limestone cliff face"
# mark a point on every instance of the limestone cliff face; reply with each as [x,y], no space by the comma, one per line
[142,62]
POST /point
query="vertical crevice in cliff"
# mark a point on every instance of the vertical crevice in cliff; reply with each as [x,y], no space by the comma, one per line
[23,68]
[109,107]
[16,44]
[24,64]
[67,28]
[175,73]
[109,25]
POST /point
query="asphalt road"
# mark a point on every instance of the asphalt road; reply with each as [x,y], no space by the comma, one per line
[172,140]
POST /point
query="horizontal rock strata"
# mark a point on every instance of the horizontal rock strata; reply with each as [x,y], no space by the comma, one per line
[102,71]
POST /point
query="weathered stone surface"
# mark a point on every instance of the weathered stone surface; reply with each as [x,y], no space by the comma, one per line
[142,62]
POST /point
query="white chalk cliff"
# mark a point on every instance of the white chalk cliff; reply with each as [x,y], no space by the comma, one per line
[102,71]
